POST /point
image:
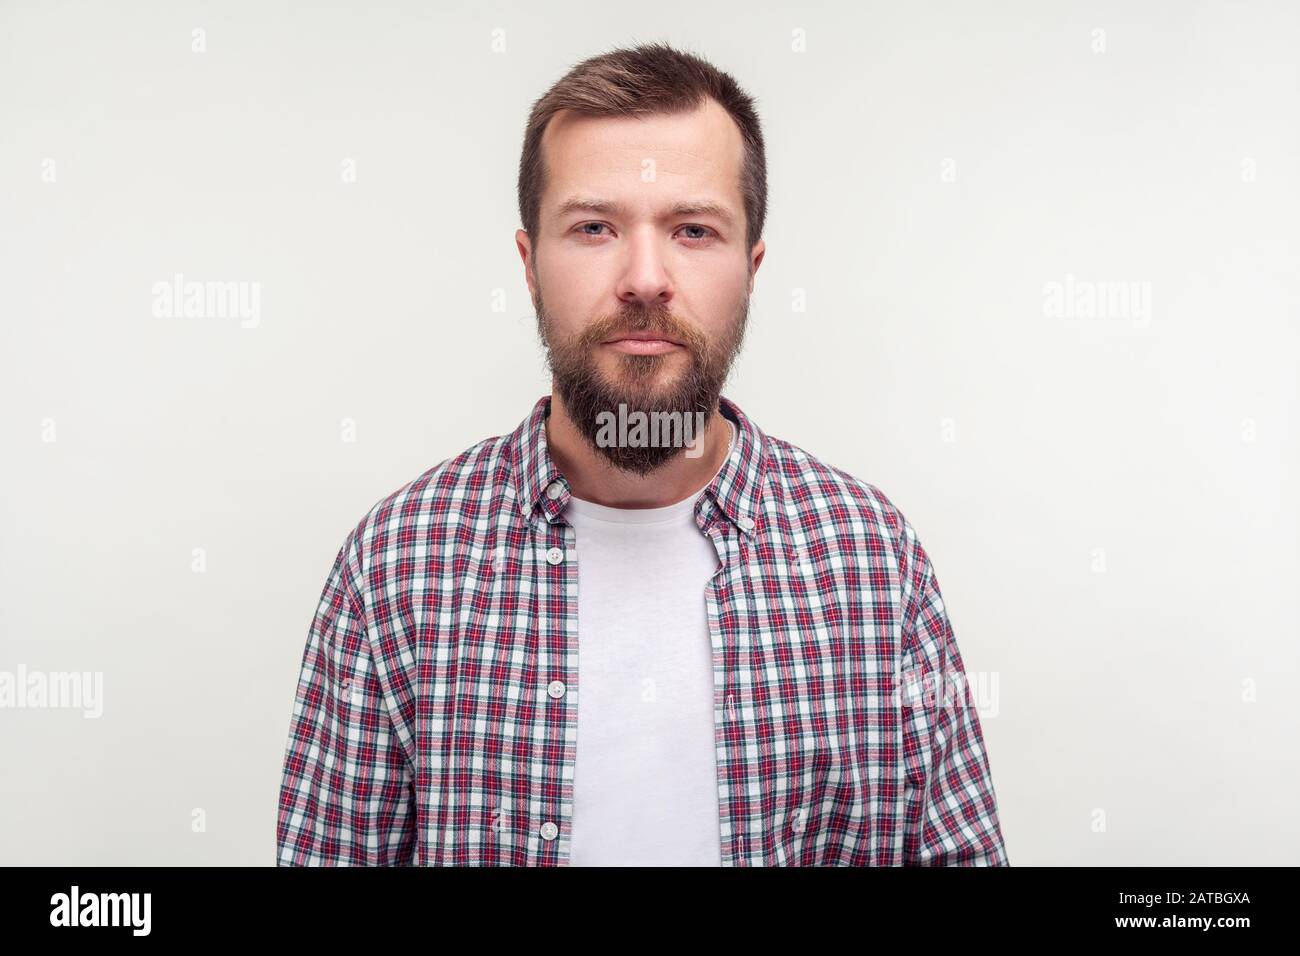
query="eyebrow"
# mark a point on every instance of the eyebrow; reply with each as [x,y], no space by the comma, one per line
[693,207]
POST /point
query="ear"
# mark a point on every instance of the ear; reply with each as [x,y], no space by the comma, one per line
[755,260]
[524,243]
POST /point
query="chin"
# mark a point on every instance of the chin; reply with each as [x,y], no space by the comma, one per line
[657,377]
[646,392]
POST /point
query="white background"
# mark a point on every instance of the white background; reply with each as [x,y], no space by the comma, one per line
[1110,505]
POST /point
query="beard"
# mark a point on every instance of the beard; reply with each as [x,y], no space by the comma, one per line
[589,394]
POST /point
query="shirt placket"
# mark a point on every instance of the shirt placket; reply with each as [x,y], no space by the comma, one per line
[728,730]
[550,811]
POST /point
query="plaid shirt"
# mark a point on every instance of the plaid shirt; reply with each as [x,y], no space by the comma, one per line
[435,718]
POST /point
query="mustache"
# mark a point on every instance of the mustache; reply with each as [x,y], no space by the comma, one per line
[658,322]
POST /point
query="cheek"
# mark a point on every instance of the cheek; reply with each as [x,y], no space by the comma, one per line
[715,302]
[576,273]
[570,299]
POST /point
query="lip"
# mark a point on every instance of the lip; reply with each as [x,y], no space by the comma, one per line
[642,346]
[640,337]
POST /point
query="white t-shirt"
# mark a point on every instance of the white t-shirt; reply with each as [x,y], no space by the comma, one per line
[645,777]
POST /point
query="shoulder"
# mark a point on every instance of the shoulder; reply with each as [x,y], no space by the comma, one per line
[840,513]
[817,493]
[454,493]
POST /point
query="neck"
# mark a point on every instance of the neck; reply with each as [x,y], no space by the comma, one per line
[592,477]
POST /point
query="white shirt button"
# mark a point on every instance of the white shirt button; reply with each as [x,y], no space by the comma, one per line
[554,490]
[747,524]
[549,830]
[555,688]
[555,555]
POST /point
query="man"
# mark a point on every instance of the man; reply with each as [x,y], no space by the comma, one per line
[583,643]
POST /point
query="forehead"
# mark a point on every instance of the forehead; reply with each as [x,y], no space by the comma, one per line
[700,152]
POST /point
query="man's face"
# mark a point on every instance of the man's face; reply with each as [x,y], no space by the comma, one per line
[641,253]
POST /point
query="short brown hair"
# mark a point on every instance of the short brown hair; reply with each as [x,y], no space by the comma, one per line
[646,79]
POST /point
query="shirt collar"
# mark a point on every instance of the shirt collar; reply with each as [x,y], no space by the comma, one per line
[735,489]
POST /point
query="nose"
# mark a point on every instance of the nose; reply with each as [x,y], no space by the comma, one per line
[644,278]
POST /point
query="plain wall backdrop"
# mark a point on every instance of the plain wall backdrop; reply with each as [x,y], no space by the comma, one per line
[1108,492]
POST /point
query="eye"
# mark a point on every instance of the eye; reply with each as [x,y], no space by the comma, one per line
[708,233]
[582,228]
[592,229]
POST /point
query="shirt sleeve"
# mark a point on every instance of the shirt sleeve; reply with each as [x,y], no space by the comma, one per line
[347,795]
[950,807]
